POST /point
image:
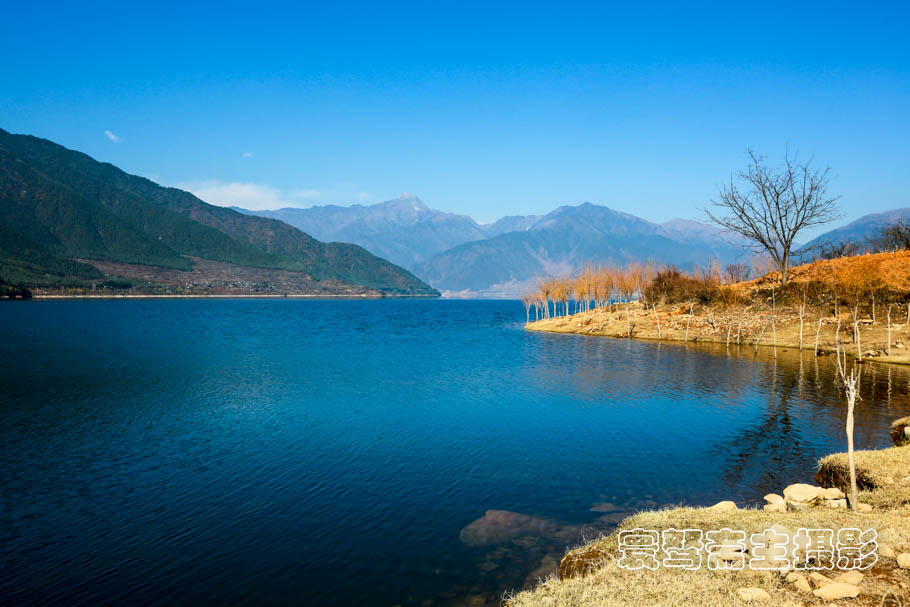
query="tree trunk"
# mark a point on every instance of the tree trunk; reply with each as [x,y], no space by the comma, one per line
[818,331]
[688,320]
[773,321]
[859,349]
[629,318]
[785,269]
[851,403]
[657,318]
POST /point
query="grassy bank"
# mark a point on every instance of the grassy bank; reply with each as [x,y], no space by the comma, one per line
[590,575]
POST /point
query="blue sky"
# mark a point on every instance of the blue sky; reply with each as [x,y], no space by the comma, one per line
[478,109]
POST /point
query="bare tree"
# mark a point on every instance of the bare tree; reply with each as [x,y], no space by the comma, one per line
[850,383]
[772,205]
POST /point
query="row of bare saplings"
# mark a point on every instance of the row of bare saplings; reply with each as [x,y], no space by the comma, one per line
[857,290]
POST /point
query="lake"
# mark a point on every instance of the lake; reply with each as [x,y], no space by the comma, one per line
[189,452]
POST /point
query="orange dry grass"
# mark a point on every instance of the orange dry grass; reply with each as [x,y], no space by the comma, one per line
[893,270]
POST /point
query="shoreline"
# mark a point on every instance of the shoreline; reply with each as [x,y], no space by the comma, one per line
[229,296]
[592,573]
[710,324]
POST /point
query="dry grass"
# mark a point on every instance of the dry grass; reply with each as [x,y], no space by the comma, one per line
[610,586]
[883,475]
[886,473]
[892,269]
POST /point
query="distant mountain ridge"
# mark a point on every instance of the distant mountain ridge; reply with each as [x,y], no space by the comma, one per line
[867,226]
[457,255]
[565,240]
[403,230]
[58,206]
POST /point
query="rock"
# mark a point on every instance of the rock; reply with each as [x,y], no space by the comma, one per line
[900,432]
[605,507]
[903,560]
[792,577]
[503,526]
[775,507]
[726,506]
[802,585]
[832,493]
[836,590]
[842,503]
[801,492]
[797,506]
[850,577]
[886,551]
[863,508]
[753,594]
[819,580]
[580,563]
[773,498]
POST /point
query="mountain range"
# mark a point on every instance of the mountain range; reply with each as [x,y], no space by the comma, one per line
[867,226]
[460,256]
[68,219]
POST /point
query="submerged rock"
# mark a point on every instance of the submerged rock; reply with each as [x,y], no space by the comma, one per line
[503,526]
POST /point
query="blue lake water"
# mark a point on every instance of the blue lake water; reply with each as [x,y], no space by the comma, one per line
[341,452]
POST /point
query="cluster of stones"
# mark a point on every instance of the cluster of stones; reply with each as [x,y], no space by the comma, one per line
[843,586]
[800,497]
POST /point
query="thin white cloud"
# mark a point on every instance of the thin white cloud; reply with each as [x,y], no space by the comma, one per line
[247,155]
[249,195]
[263,197]
[112,137]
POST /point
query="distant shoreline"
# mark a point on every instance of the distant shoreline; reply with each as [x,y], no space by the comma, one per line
[229,296]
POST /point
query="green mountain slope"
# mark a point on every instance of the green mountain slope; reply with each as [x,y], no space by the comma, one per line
[61,204]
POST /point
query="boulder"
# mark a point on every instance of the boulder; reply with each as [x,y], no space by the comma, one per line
[802,585]
[903,560]
[886,551]
[850,577]
[726,506]
[842,503]
[775,507]
[773,498]
[836,590]
[753,594]
[801,492]
[832,493]
[863,508]
[819,580]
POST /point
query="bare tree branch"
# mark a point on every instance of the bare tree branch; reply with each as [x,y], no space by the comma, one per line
[770,206]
